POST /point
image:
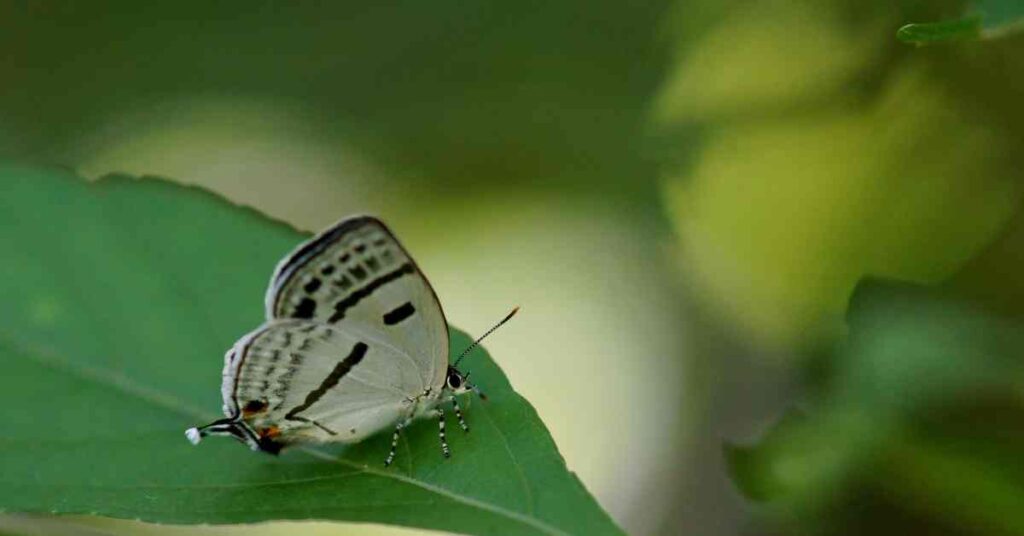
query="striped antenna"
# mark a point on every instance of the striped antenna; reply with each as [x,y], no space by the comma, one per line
[477,342]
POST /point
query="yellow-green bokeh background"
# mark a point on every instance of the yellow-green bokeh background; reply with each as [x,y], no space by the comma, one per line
[681,196]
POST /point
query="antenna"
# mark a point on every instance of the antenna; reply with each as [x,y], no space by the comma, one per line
[477,342]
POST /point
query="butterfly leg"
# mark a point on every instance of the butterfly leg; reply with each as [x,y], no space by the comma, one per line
[458,414]
[440,432]
[394,443]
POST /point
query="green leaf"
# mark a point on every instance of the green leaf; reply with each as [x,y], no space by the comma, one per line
[919,416]
[119,300]
[989,19]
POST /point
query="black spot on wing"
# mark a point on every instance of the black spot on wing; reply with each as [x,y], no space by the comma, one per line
[399,313]
[358,272]
[305,309]
[254,406]
[312,285]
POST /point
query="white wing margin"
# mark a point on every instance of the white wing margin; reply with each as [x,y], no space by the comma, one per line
[357,276]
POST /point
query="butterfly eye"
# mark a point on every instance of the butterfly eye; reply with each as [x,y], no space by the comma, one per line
[454,380]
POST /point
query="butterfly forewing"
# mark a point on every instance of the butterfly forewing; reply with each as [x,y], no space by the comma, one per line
[356,276]
[301,380]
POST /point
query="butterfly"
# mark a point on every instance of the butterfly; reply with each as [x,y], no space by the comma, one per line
[354,342]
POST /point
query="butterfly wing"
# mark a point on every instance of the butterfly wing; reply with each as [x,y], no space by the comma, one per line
[296,380]
[356,275]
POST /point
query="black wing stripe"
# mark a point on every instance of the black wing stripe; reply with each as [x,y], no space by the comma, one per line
[332,379]
[399,314]
[352,299]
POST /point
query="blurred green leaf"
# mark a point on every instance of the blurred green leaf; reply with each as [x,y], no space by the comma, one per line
[922,406]
[119,298]
[760,471]
[987,19]
[965,483]
[853,205]
[929,32]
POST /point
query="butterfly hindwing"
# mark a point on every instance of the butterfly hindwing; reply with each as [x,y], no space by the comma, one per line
[310,381]
[357,276]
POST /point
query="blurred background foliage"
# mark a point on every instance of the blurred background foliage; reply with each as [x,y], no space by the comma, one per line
[683,196]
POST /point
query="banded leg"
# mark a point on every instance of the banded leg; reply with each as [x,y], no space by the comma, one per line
[394,444]
[458,414]
[440,430]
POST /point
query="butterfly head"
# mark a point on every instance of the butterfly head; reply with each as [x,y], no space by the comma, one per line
[458,383]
